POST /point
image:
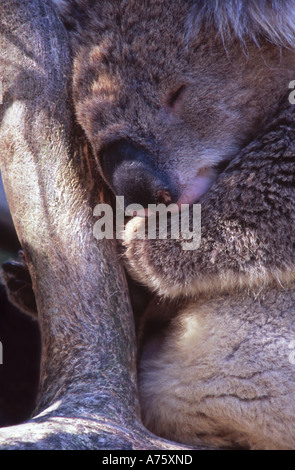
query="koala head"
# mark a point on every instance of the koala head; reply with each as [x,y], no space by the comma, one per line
[169,91]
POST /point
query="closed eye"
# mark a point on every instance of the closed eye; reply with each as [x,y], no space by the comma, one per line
[175,96]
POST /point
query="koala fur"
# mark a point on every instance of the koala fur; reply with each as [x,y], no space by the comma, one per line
[215,362]
[189,98]
[181,95]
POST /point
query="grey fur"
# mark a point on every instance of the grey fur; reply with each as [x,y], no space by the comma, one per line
[247,19]
[216,363]
[242,19]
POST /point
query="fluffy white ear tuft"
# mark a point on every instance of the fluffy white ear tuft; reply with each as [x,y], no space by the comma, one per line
[246,19]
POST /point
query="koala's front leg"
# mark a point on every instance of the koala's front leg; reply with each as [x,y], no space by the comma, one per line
[248,226]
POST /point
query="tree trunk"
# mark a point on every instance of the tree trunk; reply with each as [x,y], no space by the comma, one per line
[88,394]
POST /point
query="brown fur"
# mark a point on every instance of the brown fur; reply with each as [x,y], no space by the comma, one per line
[122,89]
[217,370]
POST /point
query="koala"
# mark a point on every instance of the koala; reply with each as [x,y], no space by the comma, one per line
[167,117]
[186,102]
[216,342]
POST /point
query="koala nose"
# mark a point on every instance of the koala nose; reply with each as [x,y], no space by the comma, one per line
[131,172]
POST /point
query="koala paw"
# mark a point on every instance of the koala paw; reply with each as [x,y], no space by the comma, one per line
[18,282]
[163,265]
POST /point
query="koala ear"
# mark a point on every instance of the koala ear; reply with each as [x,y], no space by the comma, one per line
[246,20]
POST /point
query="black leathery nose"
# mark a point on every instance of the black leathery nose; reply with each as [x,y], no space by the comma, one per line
[130,171]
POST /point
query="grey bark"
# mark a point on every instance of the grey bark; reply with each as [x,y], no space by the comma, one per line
[88,394]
